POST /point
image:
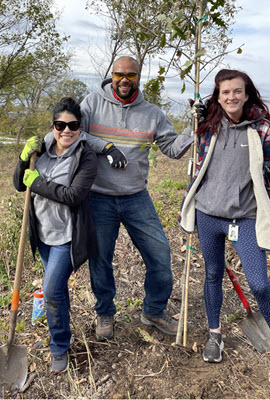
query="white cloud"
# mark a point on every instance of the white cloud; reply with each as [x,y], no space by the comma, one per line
[251,29]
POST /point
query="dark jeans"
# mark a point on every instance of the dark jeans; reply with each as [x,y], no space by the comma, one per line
[58,268]
[138,215]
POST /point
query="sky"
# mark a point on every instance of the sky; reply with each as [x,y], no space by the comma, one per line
[251,29]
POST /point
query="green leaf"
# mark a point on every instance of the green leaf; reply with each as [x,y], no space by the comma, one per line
[20,326]
[178,32]
[239,51]
[163,40]
[149,83]
[200,53]
[155,147]
[152,157]
[185,71]
[143,146]
[216,4]
[155,86]
[161,70]
[183,88]
[162,17]
[217,20]
[188,63]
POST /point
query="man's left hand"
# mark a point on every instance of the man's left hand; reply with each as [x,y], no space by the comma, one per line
[116,157]
[198,110]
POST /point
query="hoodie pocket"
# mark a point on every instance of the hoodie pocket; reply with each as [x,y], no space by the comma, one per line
[117,181]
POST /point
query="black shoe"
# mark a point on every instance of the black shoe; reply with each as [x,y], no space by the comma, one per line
[213,348]
[104,328]
[165,323]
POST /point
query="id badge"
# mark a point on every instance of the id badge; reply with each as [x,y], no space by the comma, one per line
[233,232]
[190,165]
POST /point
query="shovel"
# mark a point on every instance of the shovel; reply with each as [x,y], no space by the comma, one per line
[254,325]
[13,359]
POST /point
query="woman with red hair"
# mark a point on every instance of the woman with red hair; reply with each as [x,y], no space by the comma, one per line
[229,194]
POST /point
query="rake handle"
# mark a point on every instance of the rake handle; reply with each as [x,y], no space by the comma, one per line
[19,264]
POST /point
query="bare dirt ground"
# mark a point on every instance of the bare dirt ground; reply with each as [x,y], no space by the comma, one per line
[141,362]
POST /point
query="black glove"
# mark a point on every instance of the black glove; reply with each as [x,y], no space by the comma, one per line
[267,174]
[116,157]
[198,110]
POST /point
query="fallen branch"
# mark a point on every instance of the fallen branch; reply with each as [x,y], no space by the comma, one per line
[154,373]
[28,383]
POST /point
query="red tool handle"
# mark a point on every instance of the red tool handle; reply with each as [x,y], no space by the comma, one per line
[238,289]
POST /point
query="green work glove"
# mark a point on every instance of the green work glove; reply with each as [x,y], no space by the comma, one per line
[33,144]
[29,177]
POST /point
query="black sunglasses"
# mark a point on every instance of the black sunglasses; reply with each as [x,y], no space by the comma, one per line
[61,125]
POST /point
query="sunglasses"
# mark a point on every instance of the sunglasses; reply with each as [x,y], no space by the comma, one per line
[61,125]
[130,75]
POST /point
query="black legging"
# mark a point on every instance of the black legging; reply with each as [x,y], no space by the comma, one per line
[212,232]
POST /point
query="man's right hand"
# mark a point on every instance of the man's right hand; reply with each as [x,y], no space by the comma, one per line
[33,144]
[116,157]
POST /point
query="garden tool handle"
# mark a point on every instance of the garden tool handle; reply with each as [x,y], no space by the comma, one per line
[189,253]
[238,289]
[19,264]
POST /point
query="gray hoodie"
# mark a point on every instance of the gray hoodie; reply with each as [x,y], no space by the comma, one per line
[54,222]
[227,189]
[132,128]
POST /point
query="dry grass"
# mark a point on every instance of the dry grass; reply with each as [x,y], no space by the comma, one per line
[140,362]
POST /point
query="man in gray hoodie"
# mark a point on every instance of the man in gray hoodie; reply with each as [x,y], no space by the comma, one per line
[119,122]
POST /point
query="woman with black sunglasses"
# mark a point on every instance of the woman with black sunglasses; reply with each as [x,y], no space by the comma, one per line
[60,224]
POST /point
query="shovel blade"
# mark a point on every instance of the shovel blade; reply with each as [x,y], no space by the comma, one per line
[13,367]
[257,331]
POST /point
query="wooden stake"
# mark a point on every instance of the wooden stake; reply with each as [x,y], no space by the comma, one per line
[190,236]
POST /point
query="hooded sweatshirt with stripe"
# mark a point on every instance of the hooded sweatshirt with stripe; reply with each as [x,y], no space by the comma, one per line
[132,128]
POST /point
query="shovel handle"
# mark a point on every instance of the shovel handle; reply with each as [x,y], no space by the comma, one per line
[19,264]
[238,288]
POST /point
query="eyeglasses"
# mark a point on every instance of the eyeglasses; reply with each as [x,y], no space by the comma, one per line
[61,125]
[130,75]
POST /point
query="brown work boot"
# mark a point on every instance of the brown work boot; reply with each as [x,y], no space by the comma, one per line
[165,323]
[104,328]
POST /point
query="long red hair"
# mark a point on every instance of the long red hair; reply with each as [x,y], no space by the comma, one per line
[254,108]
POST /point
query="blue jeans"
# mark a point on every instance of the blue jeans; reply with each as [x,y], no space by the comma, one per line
[138,215]
[58,268]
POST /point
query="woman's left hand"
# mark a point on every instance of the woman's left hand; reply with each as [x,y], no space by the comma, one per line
[29,177]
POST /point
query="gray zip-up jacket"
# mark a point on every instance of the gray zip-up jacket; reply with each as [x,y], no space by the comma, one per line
[74,195]
[130,127]
[54,219]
